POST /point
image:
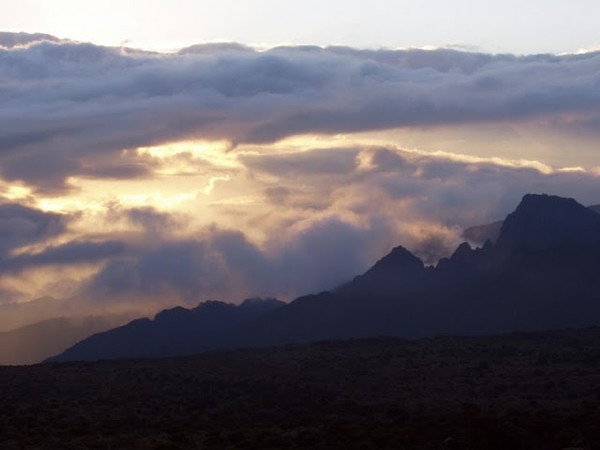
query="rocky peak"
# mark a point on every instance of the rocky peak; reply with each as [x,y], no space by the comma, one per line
[547,221]
[399,260]
[462,252]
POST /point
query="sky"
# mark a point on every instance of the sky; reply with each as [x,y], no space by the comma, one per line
[172,152]
[509,26]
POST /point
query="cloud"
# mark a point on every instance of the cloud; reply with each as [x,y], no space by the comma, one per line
[365,200]
[383,197]
[313,163]
[65,104]
[21,225]
[27,235]
[218,263]
[152,221]
[71,253]
[224,264]
[321,252]
[419,197]
[266,215]
[10,40]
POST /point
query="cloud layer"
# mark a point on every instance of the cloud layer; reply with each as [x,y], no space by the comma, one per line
[68,107]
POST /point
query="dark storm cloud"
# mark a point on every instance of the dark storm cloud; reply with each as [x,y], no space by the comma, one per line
[224,264]
[153,221]
[21,225]
[216,262]
[70,253]
[46,172]
[68,102]
[327,252]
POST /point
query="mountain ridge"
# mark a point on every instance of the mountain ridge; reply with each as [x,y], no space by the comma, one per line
[172,332]
[479,234]
[540,274]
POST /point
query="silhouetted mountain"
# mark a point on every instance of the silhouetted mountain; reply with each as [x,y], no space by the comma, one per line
[541,274]
[400,269]
[33,343]
[543,222]
[491,231]
[173,332]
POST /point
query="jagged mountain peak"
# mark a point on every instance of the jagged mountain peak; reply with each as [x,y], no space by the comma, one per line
[398,268]
[462,251]
[544,221]
[398,260]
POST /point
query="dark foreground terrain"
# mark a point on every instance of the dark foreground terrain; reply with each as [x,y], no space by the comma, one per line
[521,391]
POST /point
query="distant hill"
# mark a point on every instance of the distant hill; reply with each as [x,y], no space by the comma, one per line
[541,273]
[33,343]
